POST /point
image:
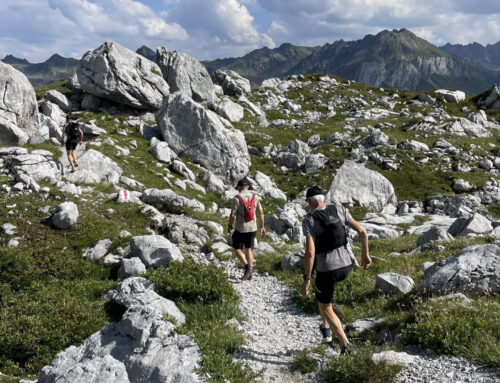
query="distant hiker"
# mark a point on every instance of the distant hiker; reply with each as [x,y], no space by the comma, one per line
[244,207]
[326,239]
[75,137]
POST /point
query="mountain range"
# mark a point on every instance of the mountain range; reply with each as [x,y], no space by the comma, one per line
[393,59]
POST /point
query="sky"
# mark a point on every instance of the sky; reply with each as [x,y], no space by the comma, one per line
[210,29]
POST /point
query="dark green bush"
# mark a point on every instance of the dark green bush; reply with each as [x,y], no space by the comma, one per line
[191,282]
[303,362]
[454,329]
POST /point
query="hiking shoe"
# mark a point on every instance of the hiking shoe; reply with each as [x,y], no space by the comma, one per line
[327,334]
[247,275]
[76,165]
[348,350]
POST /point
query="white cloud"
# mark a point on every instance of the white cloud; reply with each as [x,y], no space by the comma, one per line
[156,27]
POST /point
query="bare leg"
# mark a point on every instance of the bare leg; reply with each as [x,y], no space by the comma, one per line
[241,256]
[328,315]
[70,157]
[249,256]
[74,156]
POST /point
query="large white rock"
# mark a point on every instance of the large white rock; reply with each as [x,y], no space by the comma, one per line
[475,269]
[454,96]
[154,250]
[470,226]
[65,215]
[394,283]
[116,73]
[232,83]
[141,348]
[199,134]
[356,185]
[230,110]
[60,99]
[152,196]
[161,151]
[94,167]
[37,167]
[186,75]
[138,291]
[19,118]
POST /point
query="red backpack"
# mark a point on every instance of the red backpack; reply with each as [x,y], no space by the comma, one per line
[248,207]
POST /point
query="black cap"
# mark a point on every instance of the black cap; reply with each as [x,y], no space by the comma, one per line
[243,182]
[69,117]
[314,190]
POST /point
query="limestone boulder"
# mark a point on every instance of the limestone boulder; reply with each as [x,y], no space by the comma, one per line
[59,99]
[131,267]
[392,283]
[200,134]
[186,75]
[470,226]
[138,291]
[356,185]
[142,347]
[433,235]
[454,96]
[115,73]
[492,98]
[230,110]
[94,167]
[232,83]
[36,166]
[19,118]
[153,196]
[475,269]
[65,215]
[154,250]
[161,151]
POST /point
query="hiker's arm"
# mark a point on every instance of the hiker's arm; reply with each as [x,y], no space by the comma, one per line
[261,218]
[308,265]
[363,238]
[62,138]
[231,221]
[81,136]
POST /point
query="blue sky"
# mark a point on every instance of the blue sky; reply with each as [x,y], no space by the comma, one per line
[209,29]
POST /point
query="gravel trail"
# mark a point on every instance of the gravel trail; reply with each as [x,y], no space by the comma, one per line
[275,328]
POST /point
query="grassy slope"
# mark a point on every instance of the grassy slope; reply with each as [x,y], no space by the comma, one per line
[50,287]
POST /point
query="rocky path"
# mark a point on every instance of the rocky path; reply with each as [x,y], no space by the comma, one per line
[275,328]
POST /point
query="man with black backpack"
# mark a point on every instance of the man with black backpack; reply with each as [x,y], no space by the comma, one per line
[75,137]
[243,208]
[325,229]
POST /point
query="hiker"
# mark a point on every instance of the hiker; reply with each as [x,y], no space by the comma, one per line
[243,208]
[75,137]
[326,239]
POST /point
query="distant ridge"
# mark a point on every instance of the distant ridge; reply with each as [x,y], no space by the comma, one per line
[397,59]
[54,69]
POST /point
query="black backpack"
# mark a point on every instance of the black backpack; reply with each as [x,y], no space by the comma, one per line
[334,234]
[73,131]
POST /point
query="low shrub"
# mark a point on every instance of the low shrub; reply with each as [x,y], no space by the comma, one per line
[303,362]
[192,283]
[360,368]
[450,328]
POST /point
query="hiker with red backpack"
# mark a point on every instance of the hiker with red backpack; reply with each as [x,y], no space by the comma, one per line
[74,137]
[325,229]
[243,209]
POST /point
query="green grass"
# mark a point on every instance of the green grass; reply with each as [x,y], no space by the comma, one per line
[58,85]
[450,328]
[50,296]
[360,368]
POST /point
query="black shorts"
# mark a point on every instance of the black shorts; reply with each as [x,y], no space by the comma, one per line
[243,240]
[71,144]
[324,285]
